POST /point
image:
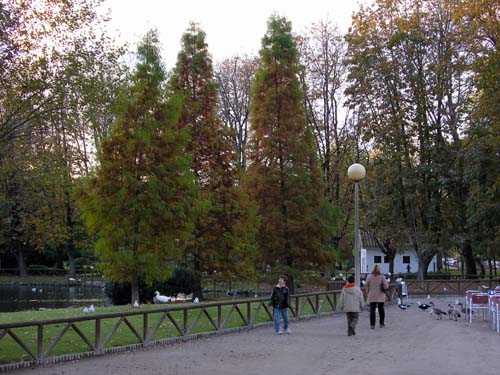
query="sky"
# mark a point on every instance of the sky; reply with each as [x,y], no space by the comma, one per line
[232,26]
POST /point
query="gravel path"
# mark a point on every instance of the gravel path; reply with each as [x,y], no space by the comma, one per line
[413,342]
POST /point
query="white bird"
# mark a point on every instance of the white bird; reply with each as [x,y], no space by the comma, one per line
[136,304]
[158,298]
[86,310]
[196,300]
[91,308]
[71,279]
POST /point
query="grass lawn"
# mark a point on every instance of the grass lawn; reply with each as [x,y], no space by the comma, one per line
[10,351]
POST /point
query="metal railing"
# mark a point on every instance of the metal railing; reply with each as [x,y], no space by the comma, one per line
[36,343]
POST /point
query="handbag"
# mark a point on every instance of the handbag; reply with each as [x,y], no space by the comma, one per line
[382,288]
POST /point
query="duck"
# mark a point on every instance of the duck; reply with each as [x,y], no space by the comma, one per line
[89,309]
[437,311]
[423,306]
[196,300]
[136,304]
[158,298]
[453,313]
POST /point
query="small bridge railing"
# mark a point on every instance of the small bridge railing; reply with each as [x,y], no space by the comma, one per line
[36,343]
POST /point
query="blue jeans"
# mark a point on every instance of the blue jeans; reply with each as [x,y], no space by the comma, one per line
[278,313]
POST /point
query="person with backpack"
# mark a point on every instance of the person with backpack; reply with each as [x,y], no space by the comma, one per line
[351,302]
[376,287]
[280,301]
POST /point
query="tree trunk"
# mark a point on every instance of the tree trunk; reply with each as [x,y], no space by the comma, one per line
[72,263]
[470,263]
[135,289]
[481,266]
[21,263]
[290,283]
[495,265]
[426,265]
[420,271]
[490,267]
[197,289]
[391,266]
[439,262]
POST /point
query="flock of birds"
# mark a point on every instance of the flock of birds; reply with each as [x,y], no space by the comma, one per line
[158,298]
[454,311]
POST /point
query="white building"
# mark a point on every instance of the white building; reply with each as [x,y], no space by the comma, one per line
[404,261]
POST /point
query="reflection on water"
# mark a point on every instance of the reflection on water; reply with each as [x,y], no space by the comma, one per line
[21,296]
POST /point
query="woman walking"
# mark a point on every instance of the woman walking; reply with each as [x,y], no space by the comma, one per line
[376,286]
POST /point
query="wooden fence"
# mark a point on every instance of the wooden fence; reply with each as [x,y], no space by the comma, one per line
[456,287]
[40,342]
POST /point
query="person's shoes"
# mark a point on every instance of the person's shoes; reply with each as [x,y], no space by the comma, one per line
[382,326]
[372,327]
[353,332]
[280,332]
[349,333]
[287,331]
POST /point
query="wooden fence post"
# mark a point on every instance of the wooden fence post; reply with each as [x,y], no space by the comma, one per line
[39,344]
[249,315]
[145,329]
[297,308]
[184,321]
[219,317]
[98,337]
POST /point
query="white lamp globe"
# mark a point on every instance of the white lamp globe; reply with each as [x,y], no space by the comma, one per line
[356,172]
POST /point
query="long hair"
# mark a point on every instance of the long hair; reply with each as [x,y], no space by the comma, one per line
[376,270]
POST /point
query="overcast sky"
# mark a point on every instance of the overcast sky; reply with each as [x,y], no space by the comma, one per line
[232,26]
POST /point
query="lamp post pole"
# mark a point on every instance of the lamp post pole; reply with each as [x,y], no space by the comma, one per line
[356,173]
[357,250]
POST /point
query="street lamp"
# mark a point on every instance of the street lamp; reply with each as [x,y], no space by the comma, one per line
[356,173]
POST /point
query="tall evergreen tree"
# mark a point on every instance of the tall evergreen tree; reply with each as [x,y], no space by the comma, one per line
[284,177]
[140,203]
[225,231]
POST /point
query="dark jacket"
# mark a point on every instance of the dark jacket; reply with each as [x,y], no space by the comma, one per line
[280,297]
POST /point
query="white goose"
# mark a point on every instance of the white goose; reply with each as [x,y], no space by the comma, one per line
[158,298]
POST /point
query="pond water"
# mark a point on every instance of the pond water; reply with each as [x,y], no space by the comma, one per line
[26,296]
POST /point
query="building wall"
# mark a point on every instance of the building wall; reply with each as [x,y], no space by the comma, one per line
[399,265]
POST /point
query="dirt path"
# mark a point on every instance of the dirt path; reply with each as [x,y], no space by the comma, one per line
[413,343]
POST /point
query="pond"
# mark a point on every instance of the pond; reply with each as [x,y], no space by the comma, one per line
[17,296]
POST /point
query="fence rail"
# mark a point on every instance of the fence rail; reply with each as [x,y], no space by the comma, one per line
[450,287]
[46,341]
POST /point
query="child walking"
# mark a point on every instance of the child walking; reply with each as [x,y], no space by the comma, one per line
[351,302]
[280,300]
